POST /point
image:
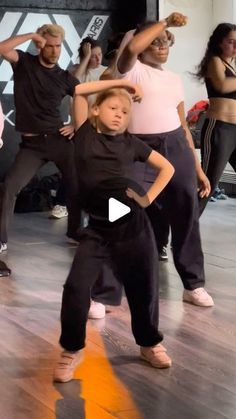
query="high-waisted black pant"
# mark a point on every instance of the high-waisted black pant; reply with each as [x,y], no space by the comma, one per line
[179,201]
[130,251]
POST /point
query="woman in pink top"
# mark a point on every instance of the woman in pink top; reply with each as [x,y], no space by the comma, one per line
[160,121]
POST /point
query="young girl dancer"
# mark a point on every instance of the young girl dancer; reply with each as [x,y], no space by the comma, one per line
[105,154]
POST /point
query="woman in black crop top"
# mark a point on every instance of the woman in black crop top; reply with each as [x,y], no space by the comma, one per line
[218,137]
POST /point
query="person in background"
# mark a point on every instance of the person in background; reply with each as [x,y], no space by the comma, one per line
[160,122]
[111,54]
[218,135]
[115,46]
[105,154]
[89,68]
[39,87]
[107,290]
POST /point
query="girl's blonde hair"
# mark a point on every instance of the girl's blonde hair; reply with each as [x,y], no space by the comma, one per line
[52,30]
[115,91]
[101,97]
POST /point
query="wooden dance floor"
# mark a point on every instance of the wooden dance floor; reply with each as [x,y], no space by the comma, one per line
[112,382]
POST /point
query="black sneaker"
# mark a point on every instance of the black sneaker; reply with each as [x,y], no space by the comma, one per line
[4,270]
[163,254]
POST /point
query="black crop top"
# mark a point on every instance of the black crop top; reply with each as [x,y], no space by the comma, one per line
[212,92]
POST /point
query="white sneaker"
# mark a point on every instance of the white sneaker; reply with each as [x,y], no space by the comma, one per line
[163,255]
[3,247]
[198,297]
[97,310]
[59,212]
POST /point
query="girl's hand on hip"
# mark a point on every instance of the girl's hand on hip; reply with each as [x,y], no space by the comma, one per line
[141,200]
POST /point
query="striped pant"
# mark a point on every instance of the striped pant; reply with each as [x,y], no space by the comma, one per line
[218,147]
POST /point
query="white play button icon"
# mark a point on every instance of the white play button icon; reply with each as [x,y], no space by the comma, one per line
[116,209]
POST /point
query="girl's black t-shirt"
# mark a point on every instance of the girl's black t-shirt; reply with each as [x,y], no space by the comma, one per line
[105,166]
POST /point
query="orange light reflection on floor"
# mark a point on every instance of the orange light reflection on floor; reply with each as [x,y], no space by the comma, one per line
[104,394]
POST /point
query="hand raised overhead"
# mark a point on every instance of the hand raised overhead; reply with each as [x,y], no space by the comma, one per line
[176,19]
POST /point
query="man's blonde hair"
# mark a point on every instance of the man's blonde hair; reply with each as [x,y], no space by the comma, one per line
[52,30]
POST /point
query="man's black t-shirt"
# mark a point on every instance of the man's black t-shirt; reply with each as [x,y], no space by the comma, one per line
[105,165]
[38,92]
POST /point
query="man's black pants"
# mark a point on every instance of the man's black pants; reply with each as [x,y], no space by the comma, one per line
[34,152]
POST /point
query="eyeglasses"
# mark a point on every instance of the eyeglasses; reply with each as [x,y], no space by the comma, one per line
[162,42]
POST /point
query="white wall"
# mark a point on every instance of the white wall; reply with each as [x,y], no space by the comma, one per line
[190,43]
[223,11]
[191,40]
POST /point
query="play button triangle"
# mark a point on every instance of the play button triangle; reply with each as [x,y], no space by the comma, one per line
[116,210]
